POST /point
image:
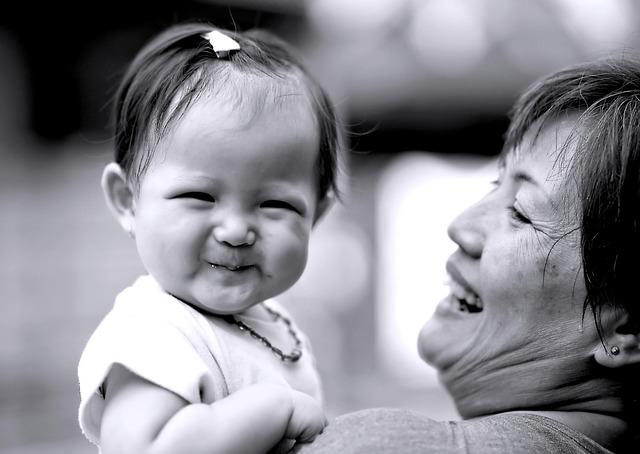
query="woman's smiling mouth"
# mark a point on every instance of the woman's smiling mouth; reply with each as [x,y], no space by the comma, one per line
[460,291]
[467,300]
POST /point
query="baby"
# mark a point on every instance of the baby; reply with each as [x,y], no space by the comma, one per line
[226,154]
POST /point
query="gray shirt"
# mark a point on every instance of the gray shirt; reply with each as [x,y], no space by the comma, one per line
[400,431]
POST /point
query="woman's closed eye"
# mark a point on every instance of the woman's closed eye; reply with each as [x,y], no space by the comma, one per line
[518,216]
[202,196]
[279,205]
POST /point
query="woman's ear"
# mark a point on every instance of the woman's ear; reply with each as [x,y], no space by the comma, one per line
[119,196]
[621,339]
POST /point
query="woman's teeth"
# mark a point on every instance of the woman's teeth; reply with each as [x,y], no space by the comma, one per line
[467,300]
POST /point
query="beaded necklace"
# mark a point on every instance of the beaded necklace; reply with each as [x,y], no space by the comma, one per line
[295,354]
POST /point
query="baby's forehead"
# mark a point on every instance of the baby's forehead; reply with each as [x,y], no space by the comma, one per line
[242,93]
[247,89]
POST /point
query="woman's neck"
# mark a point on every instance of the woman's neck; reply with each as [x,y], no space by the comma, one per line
[586,401]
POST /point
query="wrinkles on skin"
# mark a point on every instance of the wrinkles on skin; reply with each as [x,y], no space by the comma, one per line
[555,243]
[509,379]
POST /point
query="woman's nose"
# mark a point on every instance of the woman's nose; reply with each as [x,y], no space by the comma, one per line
[235,231]
[468,230]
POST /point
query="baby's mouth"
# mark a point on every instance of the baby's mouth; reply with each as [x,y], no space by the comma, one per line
[230,267]
[467,300]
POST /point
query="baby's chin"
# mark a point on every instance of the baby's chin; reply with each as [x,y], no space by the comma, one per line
[225,307]
[228,304]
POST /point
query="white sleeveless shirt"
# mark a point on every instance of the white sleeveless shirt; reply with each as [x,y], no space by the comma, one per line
[200,357]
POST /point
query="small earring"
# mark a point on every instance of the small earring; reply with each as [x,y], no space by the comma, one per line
[615,350]
[129,231]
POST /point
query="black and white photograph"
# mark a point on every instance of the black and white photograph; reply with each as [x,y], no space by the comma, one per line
[320,227]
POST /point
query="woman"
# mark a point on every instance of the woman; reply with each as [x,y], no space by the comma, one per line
[539,340]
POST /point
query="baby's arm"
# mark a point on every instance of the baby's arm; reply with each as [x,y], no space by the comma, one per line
[142,418]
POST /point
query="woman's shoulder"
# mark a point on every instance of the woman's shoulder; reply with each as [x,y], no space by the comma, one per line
[386,430]
[526,431]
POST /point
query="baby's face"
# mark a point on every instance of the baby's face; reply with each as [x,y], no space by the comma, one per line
[224,212]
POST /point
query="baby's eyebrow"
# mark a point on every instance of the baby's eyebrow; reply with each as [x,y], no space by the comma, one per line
[201,179]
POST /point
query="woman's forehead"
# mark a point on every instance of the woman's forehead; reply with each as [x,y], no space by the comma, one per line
[552,145]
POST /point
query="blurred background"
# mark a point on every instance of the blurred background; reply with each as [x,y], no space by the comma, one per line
[423,85]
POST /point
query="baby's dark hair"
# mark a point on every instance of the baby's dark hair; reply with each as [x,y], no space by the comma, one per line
[178,65]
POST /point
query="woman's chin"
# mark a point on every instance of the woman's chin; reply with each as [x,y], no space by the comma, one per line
[436,344]
[446,336]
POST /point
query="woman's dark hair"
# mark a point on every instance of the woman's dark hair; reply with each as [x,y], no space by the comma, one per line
[178,65]
[605,97]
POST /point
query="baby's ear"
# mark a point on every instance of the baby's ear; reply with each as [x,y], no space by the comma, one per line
[621,339]
[119,196]
[323,206]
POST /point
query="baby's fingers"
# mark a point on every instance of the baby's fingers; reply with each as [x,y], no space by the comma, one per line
[307,419]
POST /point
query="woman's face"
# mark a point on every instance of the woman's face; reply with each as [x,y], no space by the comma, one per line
[512,324]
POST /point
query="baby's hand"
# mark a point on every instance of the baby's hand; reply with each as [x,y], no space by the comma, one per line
[307,419]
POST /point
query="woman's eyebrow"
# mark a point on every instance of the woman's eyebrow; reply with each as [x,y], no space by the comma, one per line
[521,175]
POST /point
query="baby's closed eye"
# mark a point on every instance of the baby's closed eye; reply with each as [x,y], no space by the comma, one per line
[203,196]
[280,205]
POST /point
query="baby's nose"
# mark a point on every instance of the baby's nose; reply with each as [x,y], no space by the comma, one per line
[234,232]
